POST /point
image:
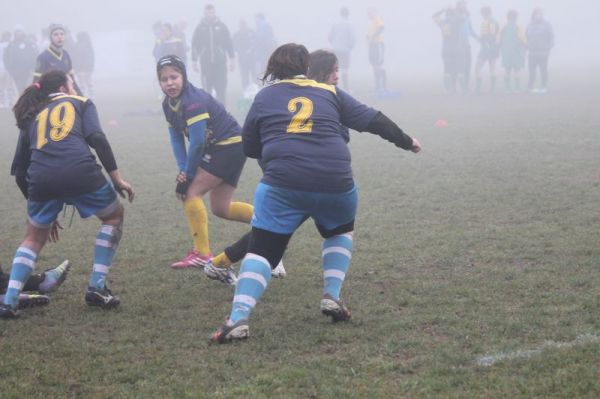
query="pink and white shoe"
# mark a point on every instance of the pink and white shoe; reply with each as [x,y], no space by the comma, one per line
[193,259]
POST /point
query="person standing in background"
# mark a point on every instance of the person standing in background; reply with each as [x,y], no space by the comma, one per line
[265,41]
[55,57]
[19,59]
[244,42]
[342,40]
[83,57]
[465,33]
[5,80]
[376,49]
[489,39]
[512,49]
[211,46]
[168,44]
[540,40]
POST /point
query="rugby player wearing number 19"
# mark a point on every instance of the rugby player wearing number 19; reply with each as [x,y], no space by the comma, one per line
[293,127]
[53,166]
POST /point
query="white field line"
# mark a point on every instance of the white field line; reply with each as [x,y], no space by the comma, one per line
[489,360]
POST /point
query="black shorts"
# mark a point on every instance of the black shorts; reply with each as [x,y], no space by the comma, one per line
[376,54]
[224,161]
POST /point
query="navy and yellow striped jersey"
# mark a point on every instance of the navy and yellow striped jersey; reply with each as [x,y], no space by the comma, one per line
[294,127]
[52,60]
[195,105]
[54,153]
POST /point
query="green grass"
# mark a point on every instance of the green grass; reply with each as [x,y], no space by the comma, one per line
[485,243]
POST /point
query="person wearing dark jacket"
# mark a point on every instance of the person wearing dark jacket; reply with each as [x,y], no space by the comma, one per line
[540,40]
[211,46]
[19,59]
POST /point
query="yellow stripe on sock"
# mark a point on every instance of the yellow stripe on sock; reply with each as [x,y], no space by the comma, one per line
[197,218]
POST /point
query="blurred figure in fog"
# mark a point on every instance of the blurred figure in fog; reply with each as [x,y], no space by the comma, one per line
[341,38]
[211,46]
[465,33]
[55,57]
[489,39]
[512,49]
[179,30]
[540,40]
[265,41]
[244,44]
[449,23]
[19,58]
[5,80]
[83,57]
[168,44]
[376,49]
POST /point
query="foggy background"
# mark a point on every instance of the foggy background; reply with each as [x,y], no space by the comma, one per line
[123,40]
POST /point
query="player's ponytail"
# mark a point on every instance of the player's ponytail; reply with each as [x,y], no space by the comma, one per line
[287,61]
[35,97]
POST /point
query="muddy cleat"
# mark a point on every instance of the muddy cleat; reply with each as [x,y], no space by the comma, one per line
[101,297]
[227,333]
[53,278]
[279,271]
[336,309]
[8,312]
[192,259]
[225,275]
[32,300]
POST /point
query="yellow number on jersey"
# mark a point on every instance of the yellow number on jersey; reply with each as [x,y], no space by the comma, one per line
[301,122]
[62,119]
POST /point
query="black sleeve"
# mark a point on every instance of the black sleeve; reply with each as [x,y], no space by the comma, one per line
[21,162]
[383,126]
[99,143]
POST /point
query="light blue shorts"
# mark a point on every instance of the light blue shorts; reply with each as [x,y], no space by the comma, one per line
[282,210]
[100,203]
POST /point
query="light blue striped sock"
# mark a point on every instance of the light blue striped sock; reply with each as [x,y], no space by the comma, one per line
[336,255]
[104,251]
[253,279]
[22,267]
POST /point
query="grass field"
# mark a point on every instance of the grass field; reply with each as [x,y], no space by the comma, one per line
[475,271]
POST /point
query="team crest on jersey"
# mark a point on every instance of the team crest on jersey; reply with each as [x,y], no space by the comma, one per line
[193,106]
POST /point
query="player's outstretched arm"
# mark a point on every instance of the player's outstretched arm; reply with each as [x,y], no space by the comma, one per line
[384,127]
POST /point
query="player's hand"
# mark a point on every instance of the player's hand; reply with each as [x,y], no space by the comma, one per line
[181,190]
[53,237]
[416,146]
[123,187]
[181,177]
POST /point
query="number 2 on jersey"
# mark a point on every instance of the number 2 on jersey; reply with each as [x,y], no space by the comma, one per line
[301,122]
[62,119]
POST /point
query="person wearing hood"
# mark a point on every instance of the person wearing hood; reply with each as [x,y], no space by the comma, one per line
[540,40]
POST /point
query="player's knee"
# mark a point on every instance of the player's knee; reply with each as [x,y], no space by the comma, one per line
[219,210]
[269,245]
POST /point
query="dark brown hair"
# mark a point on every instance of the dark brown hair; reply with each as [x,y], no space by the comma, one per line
[287,61]
[35,97]
[322,64]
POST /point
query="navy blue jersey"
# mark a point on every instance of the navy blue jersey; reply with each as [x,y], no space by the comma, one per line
[294,127]
[54,153]
[195,105]
[51,60]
